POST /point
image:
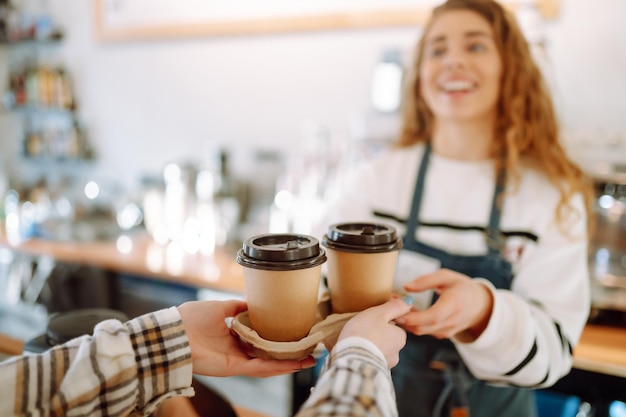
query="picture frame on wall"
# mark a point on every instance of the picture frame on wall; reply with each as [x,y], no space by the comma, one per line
[149,19]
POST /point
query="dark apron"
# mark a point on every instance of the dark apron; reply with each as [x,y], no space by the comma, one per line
[431,378]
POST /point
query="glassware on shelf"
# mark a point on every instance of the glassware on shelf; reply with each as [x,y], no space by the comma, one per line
[21,316]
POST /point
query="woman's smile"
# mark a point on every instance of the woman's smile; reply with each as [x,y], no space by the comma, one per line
[457,87]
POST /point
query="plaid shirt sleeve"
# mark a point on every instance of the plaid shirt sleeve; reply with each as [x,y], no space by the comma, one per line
[123,369]
[356,382]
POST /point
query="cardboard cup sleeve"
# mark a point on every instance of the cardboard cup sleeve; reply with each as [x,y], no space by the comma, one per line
[325,331]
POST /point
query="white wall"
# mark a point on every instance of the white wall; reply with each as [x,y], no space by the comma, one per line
[588,47]
[146,103]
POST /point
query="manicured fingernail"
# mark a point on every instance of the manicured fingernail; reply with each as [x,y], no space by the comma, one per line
[408,300]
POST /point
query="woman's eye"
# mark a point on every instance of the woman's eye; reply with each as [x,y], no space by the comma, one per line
[476,47]
[437,52]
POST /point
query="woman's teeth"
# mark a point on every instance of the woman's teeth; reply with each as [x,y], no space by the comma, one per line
[454,86]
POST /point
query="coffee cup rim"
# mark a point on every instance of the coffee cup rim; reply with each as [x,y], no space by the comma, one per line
[248,262]
[362,237]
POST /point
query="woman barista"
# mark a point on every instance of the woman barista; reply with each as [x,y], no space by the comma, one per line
[494,216]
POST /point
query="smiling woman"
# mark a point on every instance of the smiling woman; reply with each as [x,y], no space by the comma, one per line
[141,19]
[507,256]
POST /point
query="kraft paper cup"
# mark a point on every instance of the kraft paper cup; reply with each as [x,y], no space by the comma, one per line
[282,274]
[361,265]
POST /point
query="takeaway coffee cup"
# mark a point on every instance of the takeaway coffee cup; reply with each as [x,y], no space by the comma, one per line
[361,264]
[282,274]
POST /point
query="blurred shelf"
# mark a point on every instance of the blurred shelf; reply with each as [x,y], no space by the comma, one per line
[28,43]
[40,110]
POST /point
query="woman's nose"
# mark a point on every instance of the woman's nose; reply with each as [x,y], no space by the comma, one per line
[455,58]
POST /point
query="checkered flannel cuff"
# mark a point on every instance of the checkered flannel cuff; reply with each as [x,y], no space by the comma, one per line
[163,356]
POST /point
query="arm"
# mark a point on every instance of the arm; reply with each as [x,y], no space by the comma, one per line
[132,367]
[357,381]
[100,372]
[523,336]
[535,326]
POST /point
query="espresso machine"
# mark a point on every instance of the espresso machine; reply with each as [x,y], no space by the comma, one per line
[607,249]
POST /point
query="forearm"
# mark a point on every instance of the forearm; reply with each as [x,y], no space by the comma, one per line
[121,369]
[534,326]
[524,344]
[357,383]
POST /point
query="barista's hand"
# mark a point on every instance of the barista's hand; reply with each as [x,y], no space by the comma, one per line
[216,352]
[463,308]
[376,325]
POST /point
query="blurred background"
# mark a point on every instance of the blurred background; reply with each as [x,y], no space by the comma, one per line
[253,105]
[203,139]
[265,110]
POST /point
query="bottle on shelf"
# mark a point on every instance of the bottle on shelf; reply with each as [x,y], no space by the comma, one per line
[216,194]
[27,21]
[33,142]
[227,199]
[40,88]
[56,139]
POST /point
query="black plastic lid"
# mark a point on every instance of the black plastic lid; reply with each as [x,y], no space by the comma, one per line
[66,326]
[281,252]
[362,237]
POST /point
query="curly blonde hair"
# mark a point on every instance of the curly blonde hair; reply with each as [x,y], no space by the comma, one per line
[526,124]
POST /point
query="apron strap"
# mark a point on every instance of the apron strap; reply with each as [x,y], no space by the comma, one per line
[457,383]
[411,226]
[495,243]
[493,237]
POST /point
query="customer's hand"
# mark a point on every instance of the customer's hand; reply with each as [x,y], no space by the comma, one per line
[376,324]
[463,308]
[216,352]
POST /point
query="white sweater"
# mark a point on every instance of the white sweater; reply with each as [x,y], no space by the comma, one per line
[549,301]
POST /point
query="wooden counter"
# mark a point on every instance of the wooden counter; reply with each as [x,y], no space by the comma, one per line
[602,349]
[142,256]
